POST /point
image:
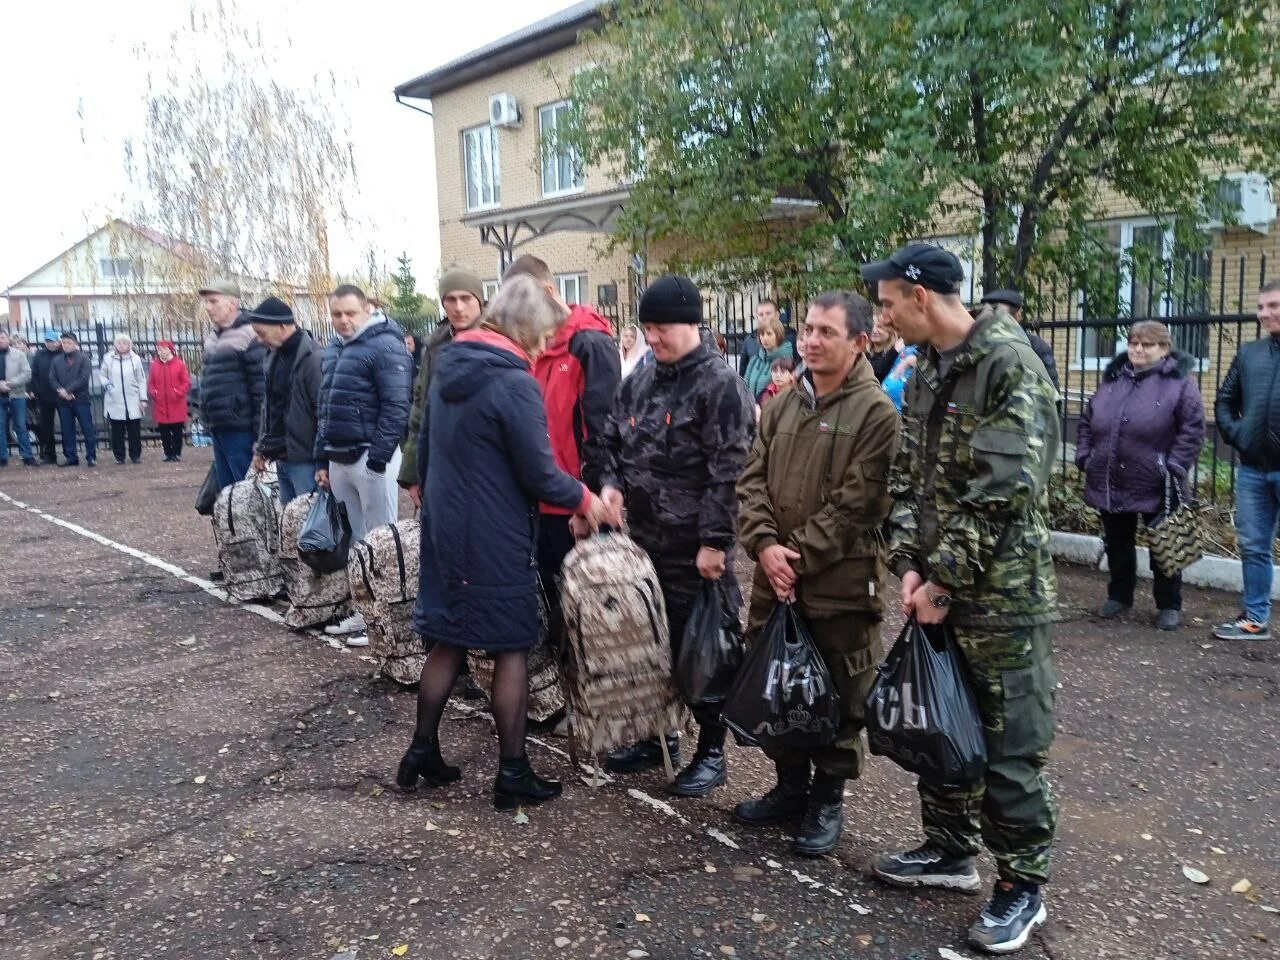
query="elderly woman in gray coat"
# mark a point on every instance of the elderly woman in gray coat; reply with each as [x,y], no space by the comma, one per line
[124,397]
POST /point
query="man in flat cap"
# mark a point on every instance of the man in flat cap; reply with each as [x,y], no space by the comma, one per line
[674,447]
[287,433]
[969,538]
[231,382]
[1011,300]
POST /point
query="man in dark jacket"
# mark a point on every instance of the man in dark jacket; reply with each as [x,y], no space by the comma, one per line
[1013,302]
[288,431]
[364,410]
[231,383]
[46,397]
[70,376]
[675,444]
[462,300]
[815,535]
[1248,415]
[579,371]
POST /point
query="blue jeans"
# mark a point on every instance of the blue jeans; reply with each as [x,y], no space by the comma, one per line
[297,479]
[1257,509]
[14,409]
[232,455]
[69,414]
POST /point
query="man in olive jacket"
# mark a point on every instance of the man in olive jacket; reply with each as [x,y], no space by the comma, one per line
[812,498]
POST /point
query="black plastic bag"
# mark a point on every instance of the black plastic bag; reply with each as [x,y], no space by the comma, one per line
[208,494]
[921,712]
[783,695]
[325,537]
[711,649]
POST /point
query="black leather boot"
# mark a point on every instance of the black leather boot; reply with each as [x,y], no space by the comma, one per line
[707,769]
[423,759]
[787,801]
[824,817]
[643,755]
[518,786]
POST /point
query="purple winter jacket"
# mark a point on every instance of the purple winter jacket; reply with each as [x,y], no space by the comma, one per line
[1134,425]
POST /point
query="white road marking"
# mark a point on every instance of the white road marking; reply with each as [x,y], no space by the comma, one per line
[267,613]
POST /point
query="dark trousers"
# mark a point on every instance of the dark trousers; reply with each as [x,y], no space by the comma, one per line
[554,543]
[46,413]
[1120,533]
[171,438]
[69,414]
[131,428]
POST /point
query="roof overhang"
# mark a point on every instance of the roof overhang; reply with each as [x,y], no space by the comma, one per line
[512,227]
[533,42]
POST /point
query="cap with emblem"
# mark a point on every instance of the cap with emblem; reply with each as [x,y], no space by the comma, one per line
[924,264]
[671,299]
[228,288]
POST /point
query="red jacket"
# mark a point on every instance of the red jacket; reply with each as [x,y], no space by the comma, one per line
[167,386]
[579,373]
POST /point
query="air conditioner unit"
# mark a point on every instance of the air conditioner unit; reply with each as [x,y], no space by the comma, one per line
[1241,199]
[503,110]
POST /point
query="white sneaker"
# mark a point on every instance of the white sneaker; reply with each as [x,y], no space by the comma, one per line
[353,624]
[358,640]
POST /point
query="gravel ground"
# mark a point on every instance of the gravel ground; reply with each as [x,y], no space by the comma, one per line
[185,778]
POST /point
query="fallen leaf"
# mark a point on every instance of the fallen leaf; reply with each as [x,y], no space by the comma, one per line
[948,954]
[1241,886]
[1260,937]
[709,868]
[400,951]
[376,792]
[414,900]
[642,918]
[228,859]
[1269,909]
[757,918]
[563,942]
[454,833]
[1196,830]
[1194,875]
[200,779]
[727,950]
[521,817]
[429,826]
[1219,851]
[1147,836]
[636,954]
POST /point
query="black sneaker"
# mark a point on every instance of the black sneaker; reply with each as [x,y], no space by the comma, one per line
[642,756]
[30,462]
[1006,922]
[927,866]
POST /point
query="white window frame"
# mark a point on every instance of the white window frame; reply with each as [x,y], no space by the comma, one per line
[110,268]
[552,161]
[1124,298]
[478,138]
[577,280]
[489,288]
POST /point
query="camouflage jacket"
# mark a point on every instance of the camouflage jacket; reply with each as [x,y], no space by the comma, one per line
[675,445]
[409,473]
[970,482]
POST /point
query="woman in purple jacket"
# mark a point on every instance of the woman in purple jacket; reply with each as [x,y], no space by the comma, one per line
[1146,420]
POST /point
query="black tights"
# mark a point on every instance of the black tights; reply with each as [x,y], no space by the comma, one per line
[510,694]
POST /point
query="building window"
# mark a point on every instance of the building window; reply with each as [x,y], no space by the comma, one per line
[561,169]
[571,286]
[489,288]
[67,315]
[120,268]
[480,162]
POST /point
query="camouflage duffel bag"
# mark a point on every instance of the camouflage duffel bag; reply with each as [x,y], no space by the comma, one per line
[546,698]
[383,577]
[314,598]
[246,527]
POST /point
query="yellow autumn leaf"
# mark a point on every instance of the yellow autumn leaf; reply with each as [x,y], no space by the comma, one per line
[400,951]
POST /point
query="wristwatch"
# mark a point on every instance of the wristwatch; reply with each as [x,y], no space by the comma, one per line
[937,599]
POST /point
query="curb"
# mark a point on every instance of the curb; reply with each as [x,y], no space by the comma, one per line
[1220,573]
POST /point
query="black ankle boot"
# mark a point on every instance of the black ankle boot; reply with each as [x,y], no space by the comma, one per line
[707,769]
[423,759]
[643,755]
[518,786]
[787,801]
[823,819]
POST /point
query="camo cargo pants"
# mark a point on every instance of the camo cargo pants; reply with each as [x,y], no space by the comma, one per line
[1012,812]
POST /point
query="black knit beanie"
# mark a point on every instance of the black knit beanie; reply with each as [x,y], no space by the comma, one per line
[671,299]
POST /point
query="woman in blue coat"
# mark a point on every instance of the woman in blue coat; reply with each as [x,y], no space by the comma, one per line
[487,465]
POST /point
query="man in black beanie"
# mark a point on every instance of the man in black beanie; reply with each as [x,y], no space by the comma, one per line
[287,434]
[675,444]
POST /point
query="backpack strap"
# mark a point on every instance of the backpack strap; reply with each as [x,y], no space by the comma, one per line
[231,514]
[364,571]
[404,587]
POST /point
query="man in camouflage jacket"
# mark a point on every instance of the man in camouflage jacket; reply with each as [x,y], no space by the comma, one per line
[674,447]
[968,535]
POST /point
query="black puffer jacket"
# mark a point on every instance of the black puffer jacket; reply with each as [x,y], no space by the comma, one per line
[364,395]
[1248,404]
[232,384]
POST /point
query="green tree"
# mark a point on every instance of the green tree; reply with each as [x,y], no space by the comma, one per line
[406,301]
[880,120]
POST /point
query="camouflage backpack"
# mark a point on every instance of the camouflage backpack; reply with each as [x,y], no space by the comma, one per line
[383,576]
[618,666]
[546,699]
[246,527]
[314,598]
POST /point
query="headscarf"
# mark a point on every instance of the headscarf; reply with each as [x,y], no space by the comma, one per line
[639,353]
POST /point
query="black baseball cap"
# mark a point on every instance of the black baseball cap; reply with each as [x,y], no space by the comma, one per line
[929,266]
[1006,296]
